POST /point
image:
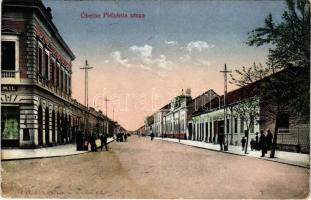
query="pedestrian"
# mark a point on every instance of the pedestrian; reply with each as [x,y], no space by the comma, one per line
[263,143]
[221,140]
[151,135]
[257,142]
[86,139]
[103,139]
[253,144]
[80,145]
[93,144]
[269,139]
[243,141]
[121,137]
[125,137]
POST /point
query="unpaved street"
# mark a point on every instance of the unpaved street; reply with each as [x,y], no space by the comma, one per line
[141,168]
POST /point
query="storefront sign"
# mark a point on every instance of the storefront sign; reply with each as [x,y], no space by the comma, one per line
[8,88]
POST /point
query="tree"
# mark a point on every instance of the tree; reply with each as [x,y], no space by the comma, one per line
[290,38]
[248,110]
[286,86]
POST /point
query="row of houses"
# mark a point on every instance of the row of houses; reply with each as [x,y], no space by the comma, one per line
[204,117]
[37,108]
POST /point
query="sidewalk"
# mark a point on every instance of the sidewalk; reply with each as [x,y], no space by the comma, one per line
[56,151]
[297,159]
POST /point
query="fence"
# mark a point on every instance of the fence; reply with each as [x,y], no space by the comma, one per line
[296,140]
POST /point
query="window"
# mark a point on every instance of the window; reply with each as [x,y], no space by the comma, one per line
[65,82]
[242,124]
[46,66]
[9,123]
[235,125]
[8,55]
[206,129]
[52,72]
[57,76]
[69,87]
[283,120]
[61,79]
[26,135]
[40,61]
[228,125]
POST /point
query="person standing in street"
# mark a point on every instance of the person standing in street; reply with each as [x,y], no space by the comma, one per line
[257,142]
[152,135]
[243,141]
[125,137]
[263,143]
[221,140]
[93,144]
[269,139]
[103,139]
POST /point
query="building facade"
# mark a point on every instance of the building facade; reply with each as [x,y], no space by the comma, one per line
[36,68]
[159,120]
[175,120]
[245,114]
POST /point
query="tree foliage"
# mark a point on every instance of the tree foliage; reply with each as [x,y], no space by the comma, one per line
[287,86]
[290,38]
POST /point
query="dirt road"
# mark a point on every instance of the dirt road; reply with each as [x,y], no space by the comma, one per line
[141,168]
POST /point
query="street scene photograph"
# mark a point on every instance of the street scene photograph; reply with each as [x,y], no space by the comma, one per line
[138,99]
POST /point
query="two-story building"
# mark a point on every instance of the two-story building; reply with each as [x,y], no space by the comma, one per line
[36,68]
[175,120]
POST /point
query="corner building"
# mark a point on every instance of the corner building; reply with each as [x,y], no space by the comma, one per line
[36,67]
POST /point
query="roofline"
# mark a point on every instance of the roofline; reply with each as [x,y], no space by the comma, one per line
[39,6]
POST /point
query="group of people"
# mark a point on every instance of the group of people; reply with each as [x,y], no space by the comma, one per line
[103,141]
[84,140]
[121,137]
[262,142]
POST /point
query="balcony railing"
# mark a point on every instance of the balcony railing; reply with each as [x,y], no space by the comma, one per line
[8,73]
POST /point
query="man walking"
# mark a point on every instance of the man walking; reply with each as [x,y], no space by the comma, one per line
[243,141]
[221,140]
[269,139]
[152,135]
[103,139]
[263,143]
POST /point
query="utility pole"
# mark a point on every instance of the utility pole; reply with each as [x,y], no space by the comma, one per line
[106,102]
[113,114]
[225,102]
[86,68]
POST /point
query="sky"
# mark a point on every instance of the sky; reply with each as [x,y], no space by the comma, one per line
[140,63]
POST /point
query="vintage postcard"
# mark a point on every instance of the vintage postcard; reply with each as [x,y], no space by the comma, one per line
[160,99]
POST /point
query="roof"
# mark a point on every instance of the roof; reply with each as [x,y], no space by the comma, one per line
[240,93]
[45,13]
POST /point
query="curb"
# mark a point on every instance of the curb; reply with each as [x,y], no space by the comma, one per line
[232,153]
[53,156]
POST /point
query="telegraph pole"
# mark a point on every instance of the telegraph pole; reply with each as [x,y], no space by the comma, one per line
[225,102]
[86,68]
[106,102]
[113,114]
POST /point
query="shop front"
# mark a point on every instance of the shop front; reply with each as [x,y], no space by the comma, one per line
[10,125]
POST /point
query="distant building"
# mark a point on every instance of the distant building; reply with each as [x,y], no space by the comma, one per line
[208,120]
[158,120]
[175,120]
[197,129]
